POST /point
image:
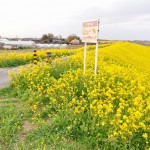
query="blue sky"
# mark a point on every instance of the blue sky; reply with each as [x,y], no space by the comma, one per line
[119,19]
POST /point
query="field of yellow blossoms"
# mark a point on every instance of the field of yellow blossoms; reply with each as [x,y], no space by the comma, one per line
[109,111]
[16,58]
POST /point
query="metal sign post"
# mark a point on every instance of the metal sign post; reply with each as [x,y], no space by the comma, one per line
[90,31]
[84,67]
[96,54]
[48,56]
[96,59]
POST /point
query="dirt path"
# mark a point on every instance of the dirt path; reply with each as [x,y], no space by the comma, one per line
[4,78]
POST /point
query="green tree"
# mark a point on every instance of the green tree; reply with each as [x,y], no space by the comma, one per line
[50,37]
[72,37]
[47,38]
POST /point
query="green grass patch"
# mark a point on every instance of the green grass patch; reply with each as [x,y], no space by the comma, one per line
[17,130]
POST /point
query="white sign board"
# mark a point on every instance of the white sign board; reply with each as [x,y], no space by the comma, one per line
[90,31]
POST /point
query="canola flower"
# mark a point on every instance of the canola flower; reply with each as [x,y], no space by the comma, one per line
[114,106]
[13,58]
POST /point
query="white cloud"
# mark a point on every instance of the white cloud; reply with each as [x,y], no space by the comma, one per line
[120,19]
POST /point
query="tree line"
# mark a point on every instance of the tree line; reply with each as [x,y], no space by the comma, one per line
[50,38]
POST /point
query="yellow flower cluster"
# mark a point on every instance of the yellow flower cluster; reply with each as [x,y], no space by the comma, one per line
[116,102]
[14,58]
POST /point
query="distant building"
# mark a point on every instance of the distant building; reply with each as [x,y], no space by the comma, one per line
[75,42]
[10,46]
[57,41]
[36,40]
[7,44]
[1,45]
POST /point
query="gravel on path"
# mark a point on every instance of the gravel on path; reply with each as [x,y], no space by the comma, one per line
[5,80]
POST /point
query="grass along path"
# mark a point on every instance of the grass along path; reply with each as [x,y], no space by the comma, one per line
[11,119]
[17,130]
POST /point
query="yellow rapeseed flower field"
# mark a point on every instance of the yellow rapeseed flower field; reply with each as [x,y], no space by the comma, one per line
[111,108]
[16,58]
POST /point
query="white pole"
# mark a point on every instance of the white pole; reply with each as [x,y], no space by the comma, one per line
[96,54]
[96,59]
[84,68]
